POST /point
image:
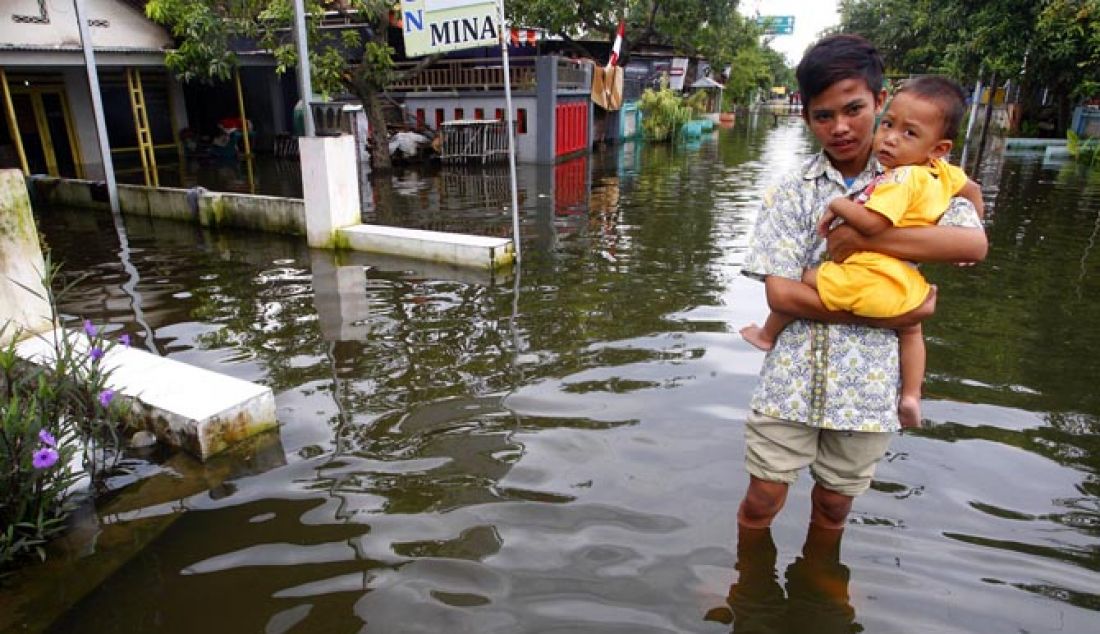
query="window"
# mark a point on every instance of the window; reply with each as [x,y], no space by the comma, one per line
[459,114]
[439,118]
[419,118]
[479,113]
[500,114]
[521,121]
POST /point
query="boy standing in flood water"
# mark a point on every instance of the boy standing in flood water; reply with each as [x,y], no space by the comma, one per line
[828,391]
[915,135]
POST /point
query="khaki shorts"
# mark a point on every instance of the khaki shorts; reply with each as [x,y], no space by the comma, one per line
[841,461]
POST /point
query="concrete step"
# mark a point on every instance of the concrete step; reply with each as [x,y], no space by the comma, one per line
[434,246]
[197,410]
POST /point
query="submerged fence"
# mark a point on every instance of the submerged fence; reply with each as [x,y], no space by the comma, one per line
[468,140]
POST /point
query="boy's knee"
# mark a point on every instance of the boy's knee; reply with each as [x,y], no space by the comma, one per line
[830,509]
[762,502]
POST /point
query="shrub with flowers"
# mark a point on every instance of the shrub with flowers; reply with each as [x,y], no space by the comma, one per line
[57,422]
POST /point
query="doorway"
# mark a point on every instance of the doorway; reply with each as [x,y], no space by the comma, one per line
[45,126]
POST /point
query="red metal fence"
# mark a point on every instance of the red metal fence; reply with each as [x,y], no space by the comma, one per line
[572,127]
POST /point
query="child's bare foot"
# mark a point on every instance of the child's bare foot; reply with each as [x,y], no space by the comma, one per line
[909,412]
[756,336]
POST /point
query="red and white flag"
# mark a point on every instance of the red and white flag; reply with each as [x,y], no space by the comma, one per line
[618,45]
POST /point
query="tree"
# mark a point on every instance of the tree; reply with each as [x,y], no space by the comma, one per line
[356,59]
[710,28]
[1048,43]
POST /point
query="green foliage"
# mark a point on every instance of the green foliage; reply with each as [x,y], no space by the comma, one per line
[663,113]
[49,414]
[713,29]
[757,69]
[1085,151]
[1051,43]
[696,102]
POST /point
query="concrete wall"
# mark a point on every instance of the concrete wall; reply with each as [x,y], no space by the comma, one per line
[208,209]
[23,304]
[489,101]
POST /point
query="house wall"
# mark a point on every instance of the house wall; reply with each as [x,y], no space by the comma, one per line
[489,102]
[52,23]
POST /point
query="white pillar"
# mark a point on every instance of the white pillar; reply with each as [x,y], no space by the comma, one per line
[330,186]
[23,304]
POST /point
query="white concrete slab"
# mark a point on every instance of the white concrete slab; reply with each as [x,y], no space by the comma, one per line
[435,246]
[198,410]
[24,309]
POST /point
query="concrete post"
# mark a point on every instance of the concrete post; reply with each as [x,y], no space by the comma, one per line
[330,184]
[546,90]
[23,304]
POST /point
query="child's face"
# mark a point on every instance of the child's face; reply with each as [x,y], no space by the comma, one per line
[911,132]
[843,120]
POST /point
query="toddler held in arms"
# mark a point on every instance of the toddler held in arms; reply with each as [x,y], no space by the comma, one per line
[911,142]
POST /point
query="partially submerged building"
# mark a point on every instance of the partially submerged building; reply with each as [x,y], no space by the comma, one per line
[150,116]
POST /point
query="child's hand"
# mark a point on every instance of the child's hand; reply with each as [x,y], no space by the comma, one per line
[826,223]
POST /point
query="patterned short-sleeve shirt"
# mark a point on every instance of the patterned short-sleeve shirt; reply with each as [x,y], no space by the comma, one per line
[826,375]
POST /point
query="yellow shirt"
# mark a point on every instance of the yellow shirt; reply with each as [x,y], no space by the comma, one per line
[876,285]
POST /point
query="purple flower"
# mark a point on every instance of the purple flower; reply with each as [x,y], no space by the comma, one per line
[89,328]
[124,339]
[97,354]
[105,397]
[47,438]
[44,458]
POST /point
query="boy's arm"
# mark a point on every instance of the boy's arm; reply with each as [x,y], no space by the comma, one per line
[973,192]
[866,221]
[792,297]
[958,237]
[915,244]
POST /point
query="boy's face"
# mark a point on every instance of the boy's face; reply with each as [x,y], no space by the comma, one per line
[911,132]
[843,119]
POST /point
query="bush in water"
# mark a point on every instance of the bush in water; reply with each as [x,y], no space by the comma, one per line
[48,416]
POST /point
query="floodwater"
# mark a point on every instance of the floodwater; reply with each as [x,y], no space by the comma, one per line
[562,451]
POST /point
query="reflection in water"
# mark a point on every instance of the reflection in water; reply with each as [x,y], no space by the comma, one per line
[813,599]
[562,450]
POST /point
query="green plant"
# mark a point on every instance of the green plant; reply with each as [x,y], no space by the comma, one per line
[663,113]
[697,102]
[1085,151]
[49,414]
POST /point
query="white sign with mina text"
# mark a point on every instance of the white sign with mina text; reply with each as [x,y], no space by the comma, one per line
[437,26]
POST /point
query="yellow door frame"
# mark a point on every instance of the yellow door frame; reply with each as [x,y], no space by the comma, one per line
[42,124]
[13,125]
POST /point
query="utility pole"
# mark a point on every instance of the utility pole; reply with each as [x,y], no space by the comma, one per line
[304,86]
[97,105]
[985,124]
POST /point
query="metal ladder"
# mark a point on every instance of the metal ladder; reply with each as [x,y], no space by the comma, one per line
[141,123]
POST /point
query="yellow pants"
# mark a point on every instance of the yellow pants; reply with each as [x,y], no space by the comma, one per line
[871,285]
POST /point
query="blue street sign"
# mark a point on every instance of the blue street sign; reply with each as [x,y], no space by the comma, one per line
[776,24]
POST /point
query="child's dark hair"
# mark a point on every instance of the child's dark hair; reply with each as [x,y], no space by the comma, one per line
[835,58]
[945,93]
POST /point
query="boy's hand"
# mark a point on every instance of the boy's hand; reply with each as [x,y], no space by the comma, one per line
[842,242]
[826,222]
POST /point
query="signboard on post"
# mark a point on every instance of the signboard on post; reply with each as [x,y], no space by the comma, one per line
[776,24]
[438,26]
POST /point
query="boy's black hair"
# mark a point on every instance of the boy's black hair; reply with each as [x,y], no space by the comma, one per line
[946,93]
[835,58]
